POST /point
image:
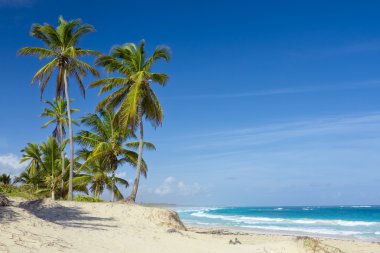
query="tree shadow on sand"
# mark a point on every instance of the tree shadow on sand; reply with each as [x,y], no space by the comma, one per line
[7,214]
[65,216]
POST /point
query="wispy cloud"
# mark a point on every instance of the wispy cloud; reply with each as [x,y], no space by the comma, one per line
[356,135]
[336,124]
[16,3]
[10,164]
[122,174]
[266,163]
[349,48]
[328,126]
[173,186]
[284,91]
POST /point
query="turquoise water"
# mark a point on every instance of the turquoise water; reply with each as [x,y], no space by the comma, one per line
[360,222]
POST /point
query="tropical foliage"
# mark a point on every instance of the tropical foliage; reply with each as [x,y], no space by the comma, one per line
[108,138]
[105,148]
[61,46]
[56,110]
[133,98]
[5,179]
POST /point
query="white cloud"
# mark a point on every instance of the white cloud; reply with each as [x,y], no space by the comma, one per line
[350,125]
[121,174]
[10,164]
[172,186]
[188,189]
[285,91]
[166,187]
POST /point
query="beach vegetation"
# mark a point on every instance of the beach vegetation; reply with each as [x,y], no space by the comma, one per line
[57,113]
[5,179]
[82,198]
[108,138]
[132,96]
[62,51]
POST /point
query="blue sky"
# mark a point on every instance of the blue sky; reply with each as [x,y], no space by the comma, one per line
[269,102]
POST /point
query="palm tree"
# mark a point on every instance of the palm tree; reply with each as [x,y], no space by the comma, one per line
[107,139]
[58,114]
[43,174]
[42,170]
[29,181]
[32,153]
[30,178]
[134,97]
[50,163]
[5,179]
[61,47]
[96,175]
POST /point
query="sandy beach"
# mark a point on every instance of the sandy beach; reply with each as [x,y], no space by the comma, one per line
[61,226]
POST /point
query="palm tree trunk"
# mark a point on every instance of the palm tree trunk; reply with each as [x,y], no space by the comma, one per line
[62,157]
[70,194]
[113,185]
[132,197]
[52,186]
[52,182]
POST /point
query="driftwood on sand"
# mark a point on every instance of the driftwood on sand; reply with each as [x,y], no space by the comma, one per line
[3,200]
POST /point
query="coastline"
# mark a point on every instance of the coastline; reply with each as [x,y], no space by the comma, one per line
[249,231]
[346,223]
[63,226]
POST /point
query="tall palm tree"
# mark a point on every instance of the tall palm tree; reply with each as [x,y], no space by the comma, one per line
[134,97]
[58,114]
[61,46]
[107,141]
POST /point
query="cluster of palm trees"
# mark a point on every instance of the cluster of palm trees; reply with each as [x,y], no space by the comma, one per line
[5,179]
[108,139]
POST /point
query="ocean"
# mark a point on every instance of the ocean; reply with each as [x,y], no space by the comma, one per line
[351,222]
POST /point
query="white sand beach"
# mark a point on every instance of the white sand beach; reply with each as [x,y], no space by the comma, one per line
[61,226]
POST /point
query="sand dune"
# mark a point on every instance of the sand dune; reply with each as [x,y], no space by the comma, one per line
[47,226]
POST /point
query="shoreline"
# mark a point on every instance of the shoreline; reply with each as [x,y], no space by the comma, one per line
[253,231]
[46,226]
[328,223]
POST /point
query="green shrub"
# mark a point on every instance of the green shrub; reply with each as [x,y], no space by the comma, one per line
[81,198]
[14,191]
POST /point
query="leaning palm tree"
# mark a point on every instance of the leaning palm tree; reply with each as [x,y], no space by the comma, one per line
[61,47]
[58,114]
[107,142]
[134,97]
